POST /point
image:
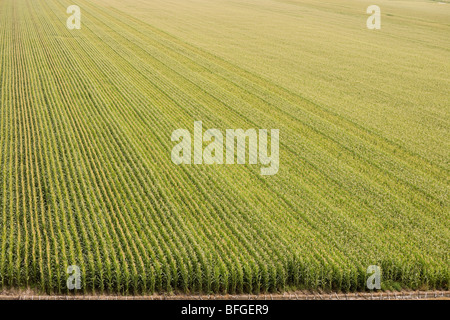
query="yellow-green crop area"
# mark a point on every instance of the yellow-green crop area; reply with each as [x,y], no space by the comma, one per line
[86,118]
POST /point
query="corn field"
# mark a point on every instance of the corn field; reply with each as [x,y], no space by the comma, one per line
[87,114]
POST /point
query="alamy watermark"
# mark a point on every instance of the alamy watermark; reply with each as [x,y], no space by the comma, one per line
[374,21]
[74,279]
[74,21]
[214,151]
[374,281]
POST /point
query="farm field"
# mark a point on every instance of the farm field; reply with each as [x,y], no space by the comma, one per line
[86,118]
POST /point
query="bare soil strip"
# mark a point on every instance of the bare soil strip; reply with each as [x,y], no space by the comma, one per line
[298,295]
